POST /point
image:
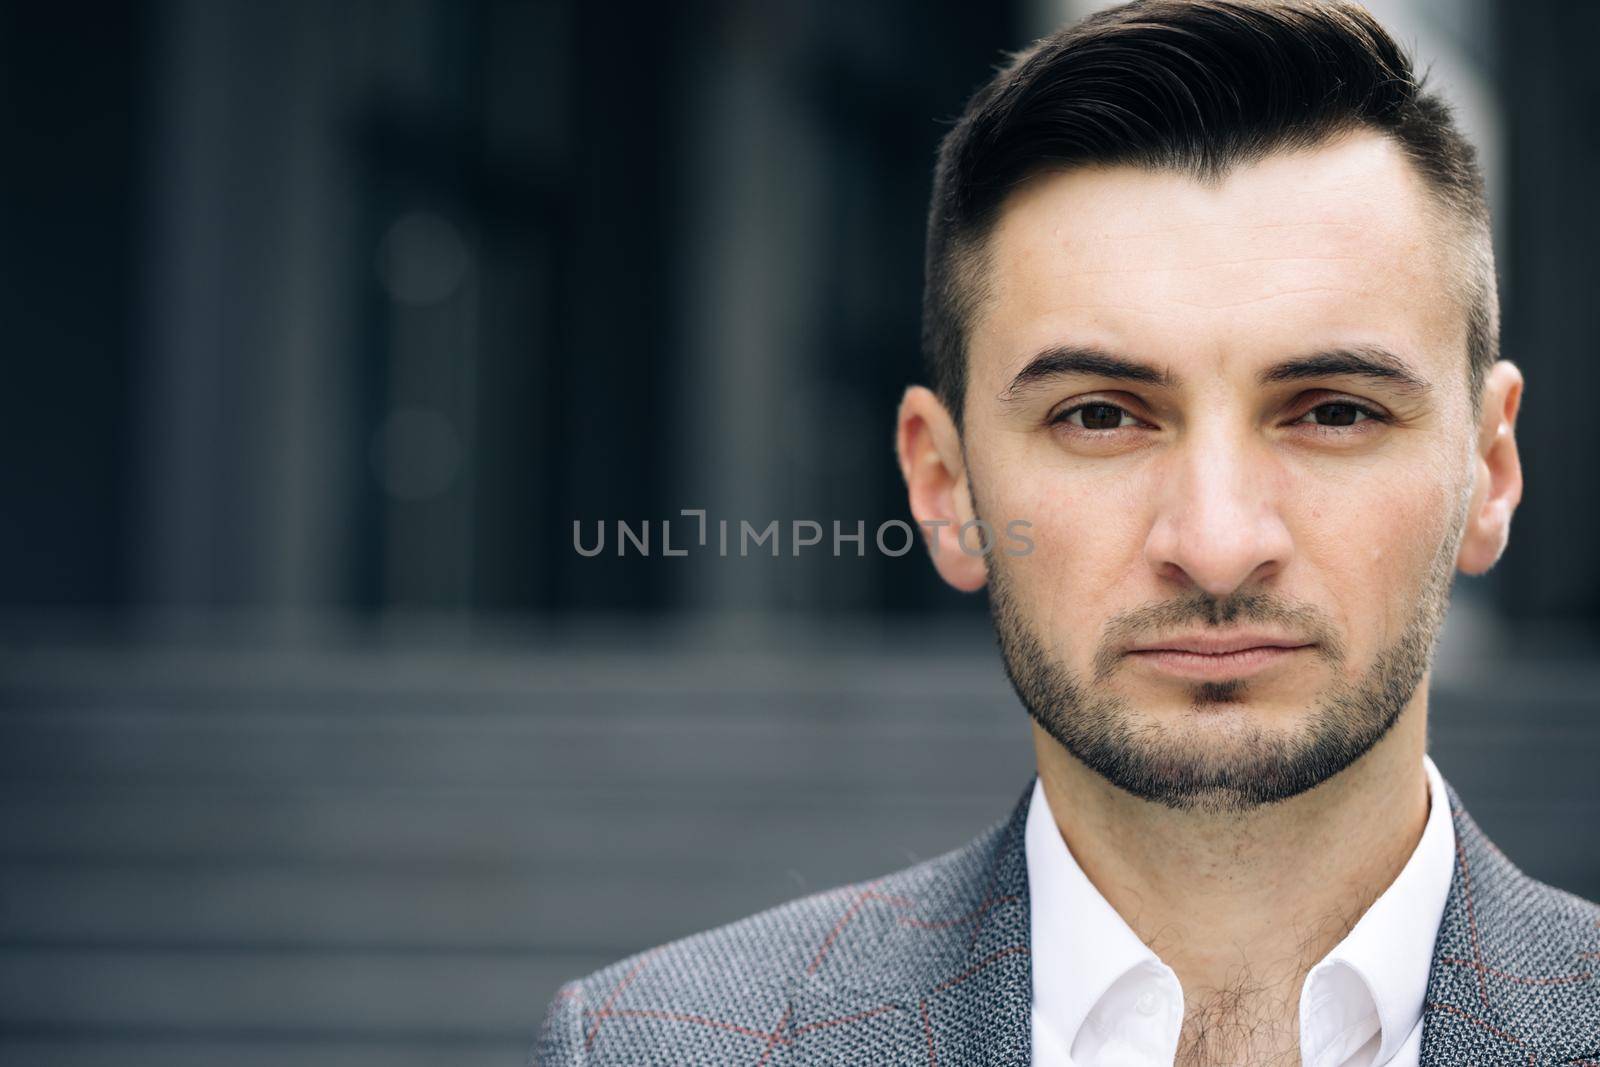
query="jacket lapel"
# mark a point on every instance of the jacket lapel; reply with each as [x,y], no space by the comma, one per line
[945,978]
[983,1012]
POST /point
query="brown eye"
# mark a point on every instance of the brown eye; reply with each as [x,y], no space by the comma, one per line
[1337,414]
[1341,414]
[1101,416]
[1095,415]
[1098,423]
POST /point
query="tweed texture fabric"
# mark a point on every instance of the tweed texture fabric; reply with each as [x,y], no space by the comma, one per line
[930,966]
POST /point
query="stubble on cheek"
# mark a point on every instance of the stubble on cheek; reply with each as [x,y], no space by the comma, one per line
[1411,558]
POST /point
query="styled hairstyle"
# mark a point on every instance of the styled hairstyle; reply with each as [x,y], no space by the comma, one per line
[1196,87]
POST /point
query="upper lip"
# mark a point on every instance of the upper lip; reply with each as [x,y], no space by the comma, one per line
[1217,644]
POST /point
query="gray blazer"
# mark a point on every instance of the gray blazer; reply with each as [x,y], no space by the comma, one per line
[930,966]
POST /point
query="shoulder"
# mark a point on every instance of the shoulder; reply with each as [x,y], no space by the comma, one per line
[718,993]
[1517,960]
[733,979]
[1546,934]
[1537,968]
[1513,921]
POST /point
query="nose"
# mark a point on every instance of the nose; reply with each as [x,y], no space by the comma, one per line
[1218,526]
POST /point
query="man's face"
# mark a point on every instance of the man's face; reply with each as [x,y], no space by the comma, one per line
[1233,489]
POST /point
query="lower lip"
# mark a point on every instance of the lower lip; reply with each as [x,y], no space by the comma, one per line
[1219,665]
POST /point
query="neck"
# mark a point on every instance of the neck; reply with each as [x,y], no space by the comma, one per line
[1242,905]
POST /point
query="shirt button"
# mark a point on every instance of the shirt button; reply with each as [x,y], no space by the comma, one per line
[1146,1003]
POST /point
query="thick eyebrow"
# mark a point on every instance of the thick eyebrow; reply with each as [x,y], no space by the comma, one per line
[1362,361]
[1059,361]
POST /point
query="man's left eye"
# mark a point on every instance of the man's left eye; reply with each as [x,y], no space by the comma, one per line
[1339,413]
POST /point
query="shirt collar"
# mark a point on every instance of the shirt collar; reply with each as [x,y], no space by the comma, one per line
[1081,946]
[1390,949]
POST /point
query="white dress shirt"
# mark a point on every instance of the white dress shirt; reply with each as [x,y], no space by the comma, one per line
[1102,998]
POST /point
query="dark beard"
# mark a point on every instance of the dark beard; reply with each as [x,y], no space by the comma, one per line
[1258,766]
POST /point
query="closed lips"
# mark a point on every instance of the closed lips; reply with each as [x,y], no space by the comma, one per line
[1219,646]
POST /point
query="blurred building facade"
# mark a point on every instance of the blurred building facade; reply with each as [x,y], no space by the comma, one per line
[356,307]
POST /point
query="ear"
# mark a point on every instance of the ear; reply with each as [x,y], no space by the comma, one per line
[929,447]
[1497,480]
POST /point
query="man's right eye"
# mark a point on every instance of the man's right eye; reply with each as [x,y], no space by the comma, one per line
[1092,416]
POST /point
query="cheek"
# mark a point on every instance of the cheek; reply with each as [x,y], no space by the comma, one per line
[1084,532]
[1370,549]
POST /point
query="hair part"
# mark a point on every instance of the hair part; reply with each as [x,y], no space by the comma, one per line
[1196,87]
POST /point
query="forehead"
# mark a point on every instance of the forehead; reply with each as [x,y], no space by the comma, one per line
[1339,244]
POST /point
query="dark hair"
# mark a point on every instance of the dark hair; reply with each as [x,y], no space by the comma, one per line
[1198,87]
